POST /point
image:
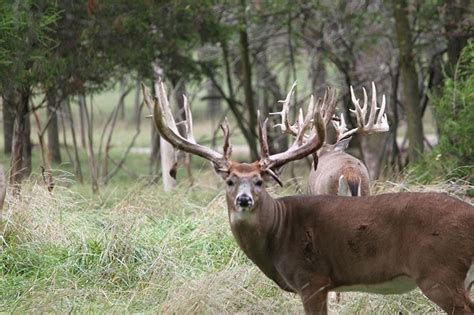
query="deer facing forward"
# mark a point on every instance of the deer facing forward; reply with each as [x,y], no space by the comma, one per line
[389,243]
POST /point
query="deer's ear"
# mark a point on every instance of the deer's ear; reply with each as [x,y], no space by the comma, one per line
[342,144]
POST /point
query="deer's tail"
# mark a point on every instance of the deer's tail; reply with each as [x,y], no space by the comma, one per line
[349,183]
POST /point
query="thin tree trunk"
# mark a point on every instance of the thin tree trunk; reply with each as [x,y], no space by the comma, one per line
[243,124]
[65,143]
[21,144]
[53,129]
[8,122]
[155,151]
[456,10]
[247,80]
[214,106]
[167,164]
[82,128]
[409,77]
[137,104]
[3,189]
[77,161]
[27,149]
[167,152]
[90,148]
[123,91]
[46,167]
[120,164]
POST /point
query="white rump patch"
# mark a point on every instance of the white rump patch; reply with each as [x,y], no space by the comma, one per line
[469,278]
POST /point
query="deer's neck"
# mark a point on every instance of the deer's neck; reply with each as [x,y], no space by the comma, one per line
[256,232]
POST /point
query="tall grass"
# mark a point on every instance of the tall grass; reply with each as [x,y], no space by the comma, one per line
[140,250]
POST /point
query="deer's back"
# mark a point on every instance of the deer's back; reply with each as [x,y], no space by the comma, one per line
[325,179]
[388,234]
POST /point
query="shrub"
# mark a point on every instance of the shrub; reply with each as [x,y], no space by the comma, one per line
[454,113]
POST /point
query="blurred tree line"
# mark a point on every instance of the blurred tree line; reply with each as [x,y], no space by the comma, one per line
[246,53]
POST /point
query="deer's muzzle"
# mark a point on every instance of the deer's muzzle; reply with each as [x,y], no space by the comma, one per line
[244,201]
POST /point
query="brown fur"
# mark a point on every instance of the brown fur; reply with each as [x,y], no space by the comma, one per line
[307,245]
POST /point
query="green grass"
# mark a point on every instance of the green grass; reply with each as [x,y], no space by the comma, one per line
[140,250]
[136,249]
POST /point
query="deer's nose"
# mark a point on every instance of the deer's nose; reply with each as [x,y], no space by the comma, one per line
[244,201]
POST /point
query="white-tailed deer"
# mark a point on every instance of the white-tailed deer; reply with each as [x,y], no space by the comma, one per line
[388,243]
[337,172]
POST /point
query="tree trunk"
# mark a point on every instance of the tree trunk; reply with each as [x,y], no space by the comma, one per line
[3,189]
[81,103]
[53,130]
[247,82]
[409,77]
[89,123]
[167,152]
[457,37]
[167,164]
[270,94]
[77,161]
[214,105]
[21,144]
[137,104]
[8,121]
[155,151]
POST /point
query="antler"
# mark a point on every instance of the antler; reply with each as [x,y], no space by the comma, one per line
[166,125]
[314,122]
[327,107]
[374,124]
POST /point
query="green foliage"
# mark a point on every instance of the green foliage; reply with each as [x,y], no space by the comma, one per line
[26,29]
[454,114]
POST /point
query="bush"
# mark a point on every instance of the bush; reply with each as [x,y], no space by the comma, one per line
[454,113]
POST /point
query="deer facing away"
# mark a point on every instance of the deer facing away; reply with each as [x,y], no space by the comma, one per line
[389,243]
[337,172]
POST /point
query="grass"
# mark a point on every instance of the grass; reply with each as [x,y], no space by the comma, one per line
[136,249]
[140,250]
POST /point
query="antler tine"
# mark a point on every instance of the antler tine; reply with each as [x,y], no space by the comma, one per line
[189,120]
[373,108]
[382,121]
[359,111]
[284,113]
[375,122]
[328,106]
[166,125]
[262,137]
[295,152]
[227,148]
[304,122]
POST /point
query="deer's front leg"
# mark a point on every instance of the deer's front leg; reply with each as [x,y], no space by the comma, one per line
[314,295]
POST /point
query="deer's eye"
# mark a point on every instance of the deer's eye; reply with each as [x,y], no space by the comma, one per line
[229,182]
[259,182]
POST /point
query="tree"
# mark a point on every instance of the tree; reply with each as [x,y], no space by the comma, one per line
[409,77]
[25,32]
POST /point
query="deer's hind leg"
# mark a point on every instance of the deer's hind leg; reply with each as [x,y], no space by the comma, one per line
[450,295]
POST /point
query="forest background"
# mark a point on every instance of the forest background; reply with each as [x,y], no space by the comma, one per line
[87,224]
